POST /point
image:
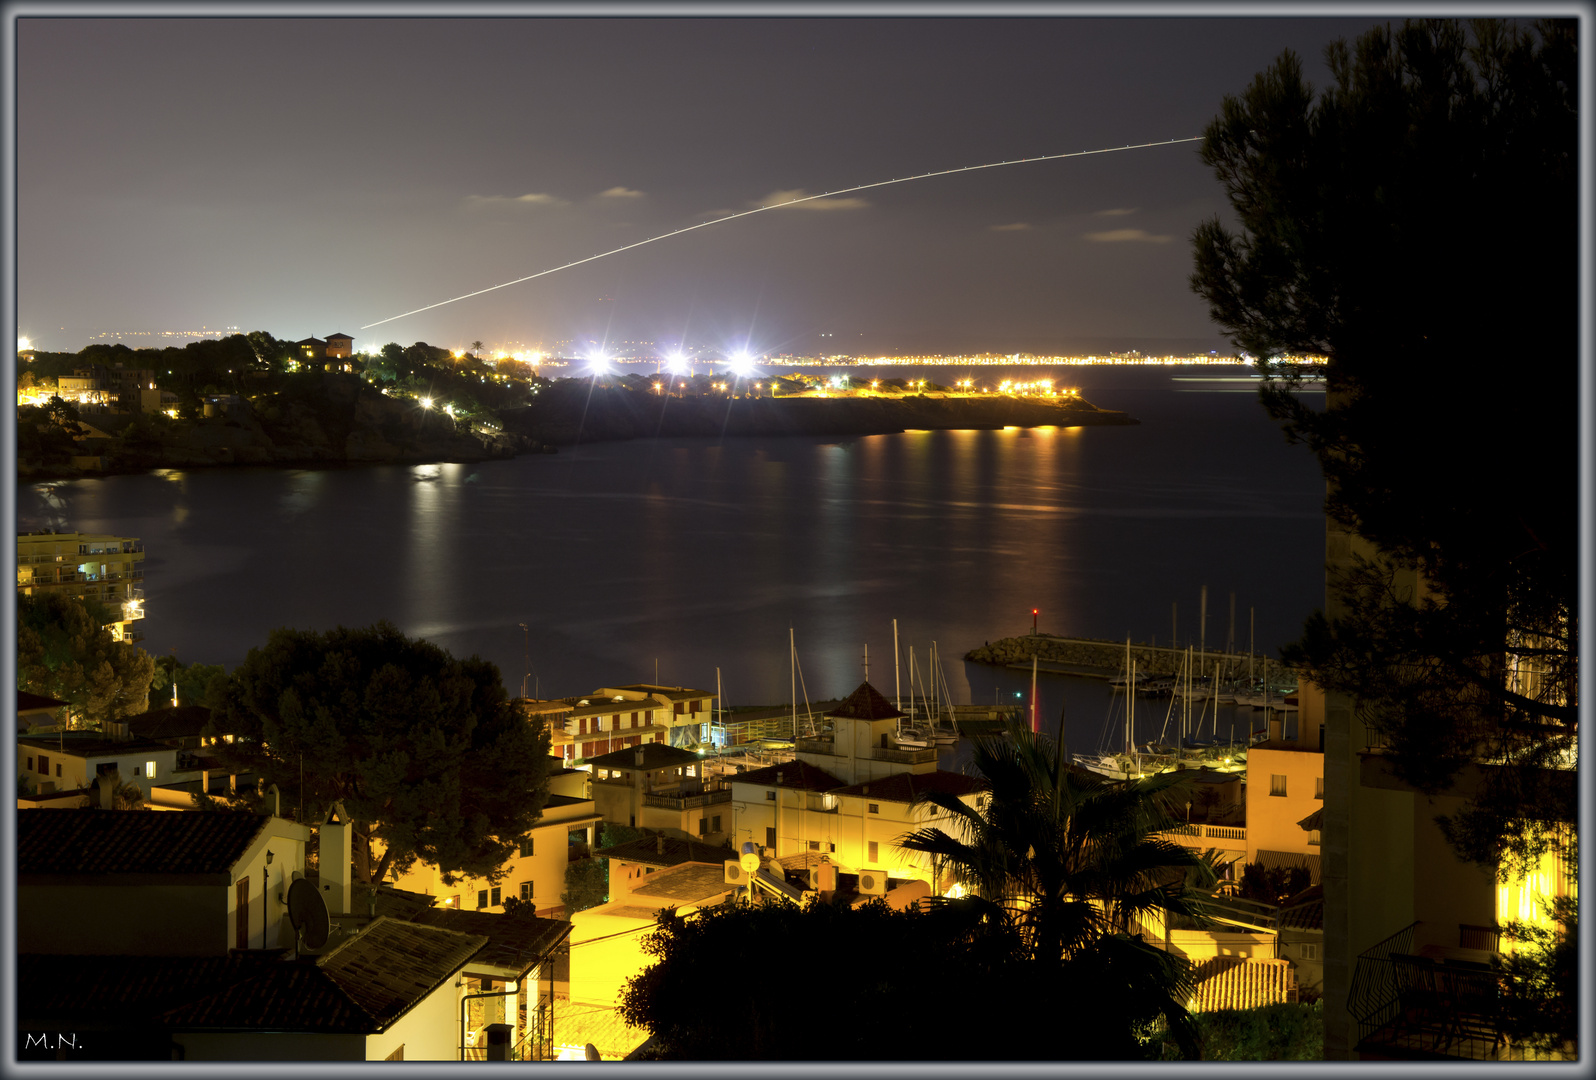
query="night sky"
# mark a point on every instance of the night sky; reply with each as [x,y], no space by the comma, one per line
[307,176]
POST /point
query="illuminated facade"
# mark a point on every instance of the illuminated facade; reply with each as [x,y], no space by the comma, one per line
[1397,899]
[88,566]
[535,874]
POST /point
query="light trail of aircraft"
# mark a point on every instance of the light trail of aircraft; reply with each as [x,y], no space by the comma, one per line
[777,206]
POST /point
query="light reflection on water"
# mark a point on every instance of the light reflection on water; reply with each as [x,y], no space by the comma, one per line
[701,554]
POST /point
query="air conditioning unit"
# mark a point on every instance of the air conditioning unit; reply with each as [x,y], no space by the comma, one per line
[873,882]
[735,874]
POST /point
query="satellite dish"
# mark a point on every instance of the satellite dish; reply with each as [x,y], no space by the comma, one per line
[590,1052]
[308,912]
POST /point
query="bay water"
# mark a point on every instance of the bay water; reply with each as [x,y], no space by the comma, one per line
[688,561]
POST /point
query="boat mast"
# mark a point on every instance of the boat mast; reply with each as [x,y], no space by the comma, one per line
[1035,727]
[792,658]
[897,690]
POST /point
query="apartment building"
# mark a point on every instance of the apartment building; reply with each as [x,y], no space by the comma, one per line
[107,570]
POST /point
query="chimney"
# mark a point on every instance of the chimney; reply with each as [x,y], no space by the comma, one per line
[107,782]
[637,757]
[659,844]
[337,860]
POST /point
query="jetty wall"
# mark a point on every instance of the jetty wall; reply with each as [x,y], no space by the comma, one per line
[1095,656]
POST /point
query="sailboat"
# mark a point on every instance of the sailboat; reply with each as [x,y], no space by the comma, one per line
[1126,764]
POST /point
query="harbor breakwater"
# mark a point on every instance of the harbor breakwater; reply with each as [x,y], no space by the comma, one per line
[1097,657]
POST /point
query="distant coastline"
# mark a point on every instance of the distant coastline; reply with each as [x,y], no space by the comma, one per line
[353,423]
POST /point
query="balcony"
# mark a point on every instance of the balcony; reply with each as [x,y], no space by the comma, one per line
[687,800]
[898,755]
[904,757]
[1435,1002]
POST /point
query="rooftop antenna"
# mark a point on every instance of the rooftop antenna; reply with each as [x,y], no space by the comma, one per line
[867,663]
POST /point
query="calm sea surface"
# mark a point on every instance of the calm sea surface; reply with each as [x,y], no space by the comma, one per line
[697,554]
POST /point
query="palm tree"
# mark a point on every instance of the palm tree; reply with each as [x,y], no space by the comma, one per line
[1069,864]
[476,347]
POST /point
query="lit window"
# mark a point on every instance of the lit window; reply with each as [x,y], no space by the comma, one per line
[1277,784]
[149,769]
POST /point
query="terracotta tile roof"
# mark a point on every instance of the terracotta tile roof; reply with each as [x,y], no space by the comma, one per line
[578,1023]
[516,941]
[363,985]
[1233,982]
[655,756]
[392,965]
[904,787]
[286,996]
[95,842]
[865,703]
[395,903]
[1304,911]
[646,851]
[790,774]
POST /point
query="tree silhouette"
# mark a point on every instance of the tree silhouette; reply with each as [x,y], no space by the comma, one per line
[1386,224]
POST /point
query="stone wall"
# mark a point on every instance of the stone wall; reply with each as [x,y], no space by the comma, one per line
[1106,657]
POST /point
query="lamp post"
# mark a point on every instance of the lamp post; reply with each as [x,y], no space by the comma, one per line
[526,656]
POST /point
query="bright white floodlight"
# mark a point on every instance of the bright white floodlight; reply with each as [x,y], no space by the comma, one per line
[598,363]
[742,363]
[677,362]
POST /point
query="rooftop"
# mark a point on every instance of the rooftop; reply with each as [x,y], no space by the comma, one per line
[865,703]
[685,884]
[87,744]
[906,787]
[791,774]
[363,985]
[669,693]
[515,942]
[666,851]
[1304,911]
[655,756]
[108,842]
